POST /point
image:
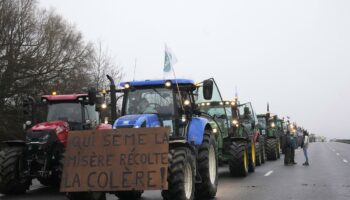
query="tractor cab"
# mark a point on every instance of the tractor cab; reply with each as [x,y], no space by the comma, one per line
[262,123]
[247,116]
[74,109]
[63,113]
[158,103]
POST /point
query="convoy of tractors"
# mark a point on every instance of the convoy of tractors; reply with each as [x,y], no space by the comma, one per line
[205,131]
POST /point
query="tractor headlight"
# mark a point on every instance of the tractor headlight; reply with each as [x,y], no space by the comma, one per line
[127,85]
[183,118]
[167,84]
[273,125]
[235,122]
[187,102]
[104,106]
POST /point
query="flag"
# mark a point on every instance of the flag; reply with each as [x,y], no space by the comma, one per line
[169,59]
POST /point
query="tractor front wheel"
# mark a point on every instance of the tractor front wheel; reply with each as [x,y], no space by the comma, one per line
[272,149]
[207,163]
[11,171]
[181,175]
[238,161]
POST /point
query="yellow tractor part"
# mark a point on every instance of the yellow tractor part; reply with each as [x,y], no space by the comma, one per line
[253,152]
[245,162]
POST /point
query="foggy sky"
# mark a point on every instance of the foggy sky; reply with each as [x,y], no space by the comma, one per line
[293,54]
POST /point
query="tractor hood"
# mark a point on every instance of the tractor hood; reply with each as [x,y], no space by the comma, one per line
[137,121]
[50,125]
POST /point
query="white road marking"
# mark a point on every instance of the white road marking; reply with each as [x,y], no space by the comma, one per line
[269,173]
[338,154]
[345,161]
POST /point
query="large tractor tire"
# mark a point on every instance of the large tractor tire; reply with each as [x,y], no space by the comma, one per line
[272,149]
[251,156]
[129,195]
[238,161]
[11,169]
[181,175]
[263,150]
[258,153]
[207,163]
[86,195]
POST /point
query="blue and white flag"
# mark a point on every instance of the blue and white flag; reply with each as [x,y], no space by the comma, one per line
[169,60]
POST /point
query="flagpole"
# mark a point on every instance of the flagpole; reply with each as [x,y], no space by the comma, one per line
[171,62]
[178,88]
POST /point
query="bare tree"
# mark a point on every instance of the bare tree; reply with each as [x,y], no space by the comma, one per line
[102,64]
[40,52]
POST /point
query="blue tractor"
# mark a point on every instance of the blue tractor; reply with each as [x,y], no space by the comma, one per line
[193,163]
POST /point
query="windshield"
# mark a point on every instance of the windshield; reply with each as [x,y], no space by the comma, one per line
[262,122]
[150,101]
[70,112]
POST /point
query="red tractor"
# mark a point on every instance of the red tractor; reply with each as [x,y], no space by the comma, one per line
[40,155]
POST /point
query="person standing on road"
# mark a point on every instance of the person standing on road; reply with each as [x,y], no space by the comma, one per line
[305,145]
[287,148]
[294,145]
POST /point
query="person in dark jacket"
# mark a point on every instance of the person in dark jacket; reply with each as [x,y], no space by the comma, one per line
[305,145]
[287,148]
[294,145]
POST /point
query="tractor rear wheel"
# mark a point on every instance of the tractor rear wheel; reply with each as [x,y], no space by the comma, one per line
[129,195]
[271,149]
[263,151]
[207,164]
[11,169]
[181,175]
[238,161]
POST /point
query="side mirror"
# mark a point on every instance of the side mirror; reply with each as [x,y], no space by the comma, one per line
[208,89]
[92,96]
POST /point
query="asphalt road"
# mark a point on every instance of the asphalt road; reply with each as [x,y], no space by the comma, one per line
[327,177]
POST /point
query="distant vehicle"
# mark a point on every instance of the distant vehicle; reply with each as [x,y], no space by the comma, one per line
[240,143]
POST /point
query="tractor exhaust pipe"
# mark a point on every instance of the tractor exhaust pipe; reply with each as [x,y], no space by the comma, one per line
[113,98]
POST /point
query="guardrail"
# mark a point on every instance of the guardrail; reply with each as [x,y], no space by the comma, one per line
[343,141]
